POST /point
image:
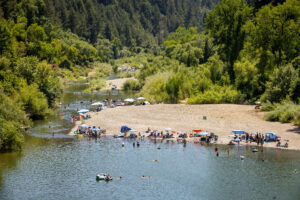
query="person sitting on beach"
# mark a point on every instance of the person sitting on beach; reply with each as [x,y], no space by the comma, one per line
[278,144]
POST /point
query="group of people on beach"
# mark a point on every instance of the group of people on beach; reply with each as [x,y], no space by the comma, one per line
[160,134]
[259,138]
[90,132]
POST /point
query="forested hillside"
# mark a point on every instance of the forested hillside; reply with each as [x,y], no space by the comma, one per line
[242,51]
[134,22]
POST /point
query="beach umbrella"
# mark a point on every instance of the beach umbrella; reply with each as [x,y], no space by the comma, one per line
[97,104]
[82,111]
[132,131]
[197,130]
[141,98]
[129,100]
[168,129]
[83,127]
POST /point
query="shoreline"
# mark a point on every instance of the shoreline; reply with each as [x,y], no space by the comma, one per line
[221,120]
[119,82]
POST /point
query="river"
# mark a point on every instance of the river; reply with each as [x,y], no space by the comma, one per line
[64,167]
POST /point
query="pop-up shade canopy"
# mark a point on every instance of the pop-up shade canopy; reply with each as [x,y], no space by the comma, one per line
[238,132]
[82,111]
[97,104]
[129,100]
[141,98]
[203,133]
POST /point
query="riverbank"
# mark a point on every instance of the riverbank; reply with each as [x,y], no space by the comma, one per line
[221,119]
[117,82]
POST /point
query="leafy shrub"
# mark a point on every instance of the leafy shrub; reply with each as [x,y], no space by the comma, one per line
[155,87]
[267,106]
[11,119]
[282,84]
[131,85]
[102,70]
[285,112]
[33,102]
[95,85]
[217,94]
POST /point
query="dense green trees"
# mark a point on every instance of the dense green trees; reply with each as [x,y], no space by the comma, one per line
[12,118]
[244,53]
[252,48]
[148,22]
[225,24]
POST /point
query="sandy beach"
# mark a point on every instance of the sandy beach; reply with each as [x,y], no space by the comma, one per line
[221,119]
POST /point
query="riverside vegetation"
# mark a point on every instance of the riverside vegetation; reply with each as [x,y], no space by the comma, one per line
[241,50]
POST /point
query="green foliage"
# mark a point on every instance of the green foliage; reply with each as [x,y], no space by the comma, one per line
[95,85]
[135,23]
[217,94]
[215,67]
[33,101]
[282,84]
[168,86]
[173,87]
[155,87]
[285,112]
[6,39]
[267,106]
[189,47]
[11,120]
[48,82]
[4,63]
[131,85]
[9,82]
[42,74]
[101,70]
[35,33]
[247,77]
[276,33]
[225,24]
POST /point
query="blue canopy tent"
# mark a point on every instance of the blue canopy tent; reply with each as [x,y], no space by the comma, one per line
[125,129]
[238,132]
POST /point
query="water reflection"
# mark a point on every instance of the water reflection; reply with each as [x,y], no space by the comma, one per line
[62,166]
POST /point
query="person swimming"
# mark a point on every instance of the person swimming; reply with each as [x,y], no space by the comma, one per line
[146,176]
[154,160]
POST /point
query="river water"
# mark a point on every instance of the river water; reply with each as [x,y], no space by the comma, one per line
[63,167]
